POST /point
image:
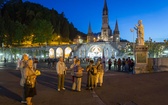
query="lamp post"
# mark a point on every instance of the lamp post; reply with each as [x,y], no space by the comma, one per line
[132,30]
[58,39]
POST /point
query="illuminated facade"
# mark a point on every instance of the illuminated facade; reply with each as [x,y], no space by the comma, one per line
[106,31]
[85,50]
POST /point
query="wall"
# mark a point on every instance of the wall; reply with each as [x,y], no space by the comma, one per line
[158,64]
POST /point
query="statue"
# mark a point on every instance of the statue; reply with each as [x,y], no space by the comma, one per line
[140,33]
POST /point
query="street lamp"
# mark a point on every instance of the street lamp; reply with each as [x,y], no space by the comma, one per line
[58,39]
[132,30]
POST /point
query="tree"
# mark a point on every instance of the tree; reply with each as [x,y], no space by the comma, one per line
[42,31]
[19,33]
[19,19]
[2,30]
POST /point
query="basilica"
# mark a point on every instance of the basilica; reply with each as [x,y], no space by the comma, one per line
[107,44]
[106,31]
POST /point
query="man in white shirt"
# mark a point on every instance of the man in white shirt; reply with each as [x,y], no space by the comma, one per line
[61,70]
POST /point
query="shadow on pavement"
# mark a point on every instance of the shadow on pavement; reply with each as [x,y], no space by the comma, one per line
[15,73]
[7,93]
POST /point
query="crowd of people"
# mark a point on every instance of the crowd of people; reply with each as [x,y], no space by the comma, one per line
[28,66]
[95,72]
[123,64]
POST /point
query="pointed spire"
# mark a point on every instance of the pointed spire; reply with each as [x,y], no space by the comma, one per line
[116,26]
[89,29]
[116,30]
[105,9]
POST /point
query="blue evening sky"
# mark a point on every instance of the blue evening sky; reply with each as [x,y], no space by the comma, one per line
[153,13]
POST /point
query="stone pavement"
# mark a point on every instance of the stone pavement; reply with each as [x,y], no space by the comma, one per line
[118,89]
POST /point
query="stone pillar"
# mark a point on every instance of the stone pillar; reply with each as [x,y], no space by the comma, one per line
[141,59]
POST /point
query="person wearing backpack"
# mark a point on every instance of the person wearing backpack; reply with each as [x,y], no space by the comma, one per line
[93,77]
[100,73]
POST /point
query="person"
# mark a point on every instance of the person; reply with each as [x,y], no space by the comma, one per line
[100,73]
[92,75]
[5,61]
[35,61]
[18,64]
[30,73]
[61,71]
[132,66]
[119,64]
[115,64]
[123,64]
[109,64]
[78,73]
[127,65]
[89,75]
[72,70]
[23,65]
[140,32]
[49,62]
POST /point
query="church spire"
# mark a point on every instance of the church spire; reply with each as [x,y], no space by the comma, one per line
[116,30]
[89,29]
[105,9]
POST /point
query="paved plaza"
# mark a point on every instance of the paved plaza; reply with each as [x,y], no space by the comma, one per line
[118,89]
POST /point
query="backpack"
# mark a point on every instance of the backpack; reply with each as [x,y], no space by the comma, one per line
[94,70]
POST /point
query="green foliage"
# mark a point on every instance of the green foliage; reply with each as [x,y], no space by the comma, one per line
[19,20]
[42,30]
[19,33]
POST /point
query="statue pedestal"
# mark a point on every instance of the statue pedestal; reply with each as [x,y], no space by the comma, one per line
[141,58]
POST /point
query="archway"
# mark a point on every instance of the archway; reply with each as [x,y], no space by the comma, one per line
[95,51]
[51,53]
[68,51]
[59,52]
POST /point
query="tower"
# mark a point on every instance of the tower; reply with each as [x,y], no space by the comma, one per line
[116,33]
[105,30]
[90,34]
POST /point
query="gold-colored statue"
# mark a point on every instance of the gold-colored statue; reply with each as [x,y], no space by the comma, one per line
[140,33]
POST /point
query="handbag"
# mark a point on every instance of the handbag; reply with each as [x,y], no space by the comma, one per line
[37,73]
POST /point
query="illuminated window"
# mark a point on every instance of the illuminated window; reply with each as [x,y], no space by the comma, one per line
[68,50]
[51,53]
[59,52]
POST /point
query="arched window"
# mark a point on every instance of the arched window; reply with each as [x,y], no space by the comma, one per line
[59,52]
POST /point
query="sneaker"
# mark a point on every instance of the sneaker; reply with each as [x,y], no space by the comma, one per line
[63,88]
[58,89]
[23,102]
[78,90]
